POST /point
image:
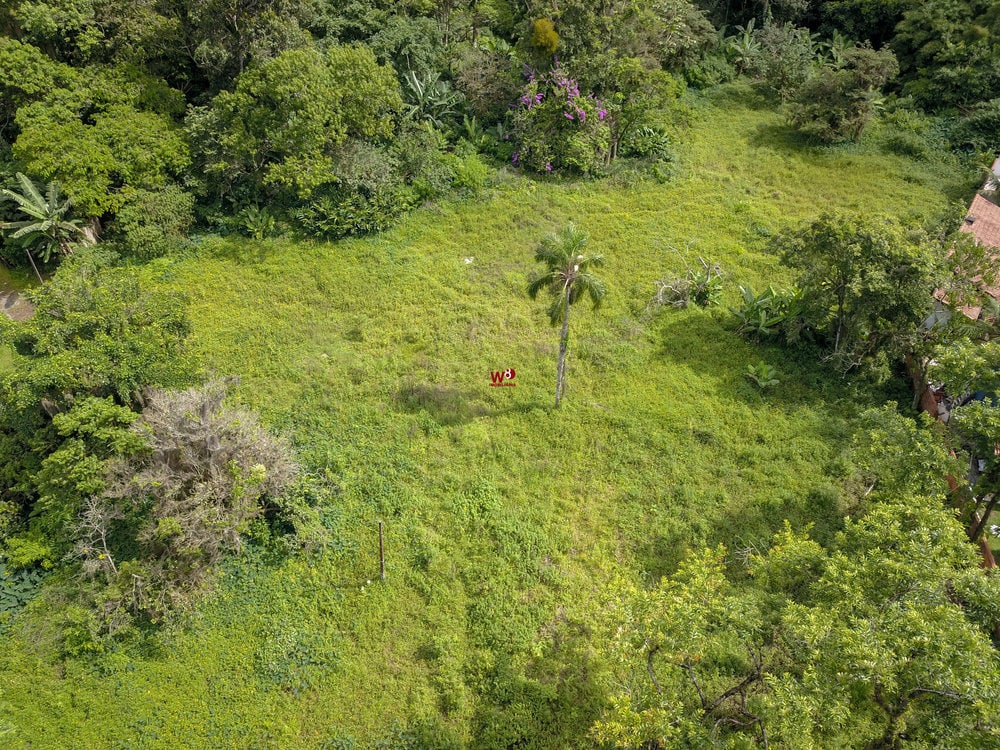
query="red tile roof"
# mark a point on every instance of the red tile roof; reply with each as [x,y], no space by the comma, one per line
[982,220]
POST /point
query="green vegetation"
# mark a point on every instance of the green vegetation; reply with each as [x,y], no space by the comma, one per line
[567,278]
[280,336]
[504,526]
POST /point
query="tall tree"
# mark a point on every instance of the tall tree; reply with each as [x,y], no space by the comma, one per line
[567,278]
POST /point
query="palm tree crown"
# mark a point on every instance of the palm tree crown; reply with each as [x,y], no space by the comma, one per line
[567,276]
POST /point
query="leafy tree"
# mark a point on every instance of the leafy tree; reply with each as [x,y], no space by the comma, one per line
[972,367]
[883,639]
[866,286]
[47,227]
[278,131]
[220,39]
[567,277]
[98,138]
[26,75]
[897,456]
[894,647]
[634,95]
[96,333]
[784,59]
[557,126]
[666,33]
[91,432]
[838,102]
[688,653]
[64,29]
[948,52]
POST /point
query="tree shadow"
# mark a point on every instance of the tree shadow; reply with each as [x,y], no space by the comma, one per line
[785,138]
[743,527]
[450,406]
[750,96]
[708,347]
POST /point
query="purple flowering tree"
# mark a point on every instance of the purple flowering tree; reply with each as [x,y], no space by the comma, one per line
[558,127]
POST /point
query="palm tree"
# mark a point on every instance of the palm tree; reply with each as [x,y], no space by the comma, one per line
[567,278]
[45,228]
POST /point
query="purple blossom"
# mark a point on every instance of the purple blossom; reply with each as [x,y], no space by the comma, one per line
[602,114]
[581,114]
[568,115]
[538,98]
[548,167]
[515,157]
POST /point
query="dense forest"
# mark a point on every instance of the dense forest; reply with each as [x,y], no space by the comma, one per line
[498,374]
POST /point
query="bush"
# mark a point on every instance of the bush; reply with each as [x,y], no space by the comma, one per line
[784,58]
[711,70]
[648,142]
[764,315]
[341,213]
[489,82]
[981,129]
[152,223]
[905,144]
[185,502]
[838,102]
[558,127]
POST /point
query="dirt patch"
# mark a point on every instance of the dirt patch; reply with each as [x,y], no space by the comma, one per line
[15,307]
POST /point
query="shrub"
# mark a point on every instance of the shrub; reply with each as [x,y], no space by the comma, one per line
[784,58]
[648,142]
[151,223]
[837,103]
[488,81]
[188,500]
[711,70]
[341,213]
[766,314]
[981,129]
[558,127]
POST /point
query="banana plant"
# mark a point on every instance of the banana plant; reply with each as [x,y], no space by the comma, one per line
[45,228]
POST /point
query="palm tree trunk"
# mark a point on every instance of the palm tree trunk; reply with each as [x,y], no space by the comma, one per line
[563,339]
[28,252]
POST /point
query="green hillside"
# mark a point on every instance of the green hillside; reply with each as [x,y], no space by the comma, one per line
[505,519]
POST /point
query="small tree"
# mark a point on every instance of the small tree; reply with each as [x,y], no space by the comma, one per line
[866,285]
[567,277]
[839,101]
[46,227]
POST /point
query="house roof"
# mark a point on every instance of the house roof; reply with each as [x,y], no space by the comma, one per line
[982,221]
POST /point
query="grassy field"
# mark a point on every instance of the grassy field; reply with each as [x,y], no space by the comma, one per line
[506,520]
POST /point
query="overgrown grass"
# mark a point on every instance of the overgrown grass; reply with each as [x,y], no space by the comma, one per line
[505,519]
